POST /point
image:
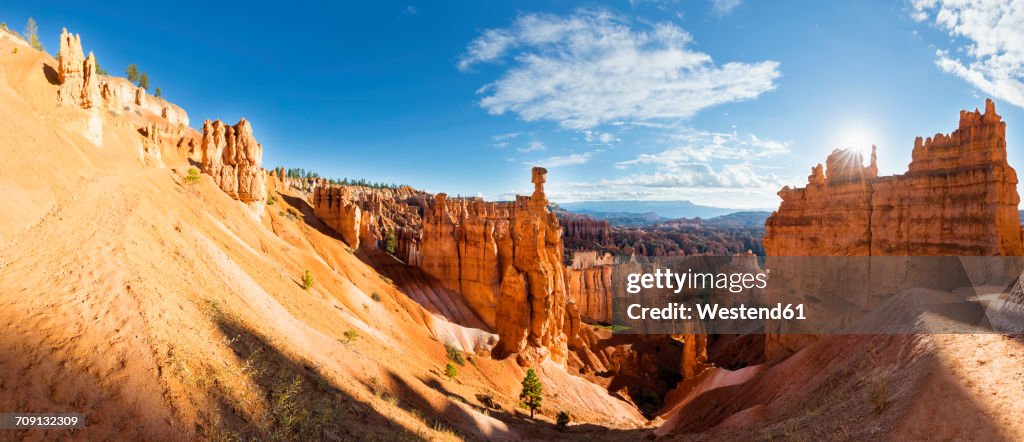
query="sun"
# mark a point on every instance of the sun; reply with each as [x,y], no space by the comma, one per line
[856,137]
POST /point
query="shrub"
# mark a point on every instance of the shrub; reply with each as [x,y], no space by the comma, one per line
[450,371]
[563,419]
[375,297]
[307,280]
[532,391]
[454,354]
[351,335]
[192,178]
[391,243]
[271,200]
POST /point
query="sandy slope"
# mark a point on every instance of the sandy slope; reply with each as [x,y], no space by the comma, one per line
[165,312]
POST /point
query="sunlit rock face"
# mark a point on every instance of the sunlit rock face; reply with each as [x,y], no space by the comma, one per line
[232,157]
[77,73]
[505,259]
[958,197]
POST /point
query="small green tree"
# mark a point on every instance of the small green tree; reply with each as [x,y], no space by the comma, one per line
[530,396]
[144,81]
[32,34]
[3,25]
[454,354]
[192,178]
[307,280]
[562,420]
[100,70]
[351,335]
[391,243]
[451,371]
[157,93]
[132,71]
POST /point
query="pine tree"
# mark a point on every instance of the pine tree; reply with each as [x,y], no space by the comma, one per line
[144,81]
[530,396]
[32,34]
[132,71]
[157,93]
[391,243]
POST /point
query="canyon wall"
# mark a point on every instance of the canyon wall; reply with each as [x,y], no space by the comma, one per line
[958,197]
[505,258]
[232,157]
[584,229]
[368,216]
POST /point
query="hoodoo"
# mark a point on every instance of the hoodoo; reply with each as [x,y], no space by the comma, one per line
[79,85]
[232,157]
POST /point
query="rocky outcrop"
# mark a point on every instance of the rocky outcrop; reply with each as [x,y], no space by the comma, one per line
[121,95]
[232,157]
[79,85]
[368,216]
[505,258]
[334,207]
[958,197]
[582,229]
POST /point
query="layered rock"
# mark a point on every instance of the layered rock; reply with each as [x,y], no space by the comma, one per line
[582,229]
[505,258]
[79,85]
[121,95]
[232,157]
[958,197]
[368,216]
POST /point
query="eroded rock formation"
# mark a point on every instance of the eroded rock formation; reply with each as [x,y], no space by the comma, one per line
[505,258]
[232,157]
[581,230]
[79,84]
[958,197]
[369,216]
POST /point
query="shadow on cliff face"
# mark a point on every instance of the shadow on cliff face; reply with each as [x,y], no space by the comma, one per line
[51,75]
[308,217]
[294,401]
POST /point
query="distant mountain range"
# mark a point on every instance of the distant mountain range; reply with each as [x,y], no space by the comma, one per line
[649,210]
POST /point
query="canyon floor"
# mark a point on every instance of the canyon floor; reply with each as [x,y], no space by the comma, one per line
[164,310]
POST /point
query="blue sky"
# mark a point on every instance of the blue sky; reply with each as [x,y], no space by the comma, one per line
[718,102]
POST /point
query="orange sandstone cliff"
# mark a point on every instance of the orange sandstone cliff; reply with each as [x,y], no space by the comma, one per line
[958,197]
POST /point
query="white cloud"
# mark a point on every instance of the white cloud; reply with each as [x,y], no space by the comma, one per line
[506,136]
[410,10]
[697,175]
[724,7]
[991,34]
[691,145]
[593,67]
[564,160]
[605,138]
[534,146]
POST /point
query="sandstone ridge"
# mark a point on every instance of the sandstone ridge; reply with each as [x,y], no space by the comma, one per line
[958,197]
